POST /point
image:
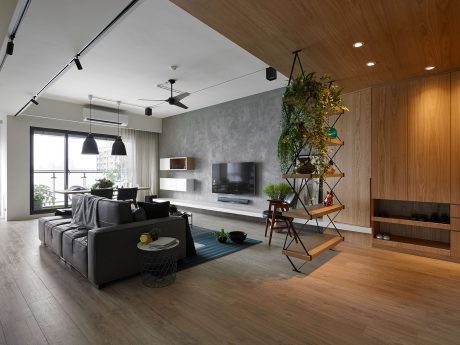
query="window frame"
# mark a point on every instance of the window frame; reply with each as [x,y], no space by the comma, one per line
[66,134]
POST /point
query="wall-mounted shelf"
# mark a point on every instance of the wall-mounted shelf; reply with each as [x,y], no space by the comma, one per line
[176,163]
[177,184]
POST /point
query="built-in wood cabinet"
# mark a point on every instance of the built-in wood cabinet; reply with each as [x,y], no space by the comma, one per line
[428,139]
[455,138]
[176,163]
[389,142]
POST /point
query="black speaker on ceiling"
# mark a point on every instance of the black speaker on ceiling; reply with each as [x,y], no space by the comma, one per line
[270,73]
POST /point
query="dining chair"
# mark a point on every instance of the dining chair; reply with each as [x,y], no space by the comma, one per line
[129,194]
[103,192]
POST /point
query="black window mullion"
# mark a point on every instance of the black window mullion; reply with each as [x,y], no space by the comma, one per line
[66,168]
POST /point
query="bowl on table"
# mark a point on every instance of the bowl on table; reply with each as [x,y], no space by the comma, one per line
[237,236]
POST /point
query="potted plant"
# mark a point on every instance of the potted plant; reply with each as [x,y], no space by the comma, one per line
[271,191]
[277,191]
[222,236]
[307,102]
[42,195]
[283,190]
[103,183]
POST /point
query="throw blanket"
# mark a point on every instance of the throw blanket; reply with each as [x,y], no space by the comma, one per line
[86,211]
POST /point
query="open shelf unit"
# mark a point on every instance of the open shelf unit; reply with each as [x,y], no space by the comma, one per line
[428,237]
[176,163]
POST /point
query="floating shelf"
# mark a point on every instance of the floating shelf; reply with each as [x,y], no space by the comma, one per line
[404,221]
[306,176]
[176,163]
[335,142]
[314,252]
[313,211]
[414,244]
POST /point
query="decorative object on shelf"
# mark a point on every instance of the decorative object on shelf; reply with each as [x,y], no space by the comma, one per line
[118,146]
[42,195]
[145,238]
[222,236]
[331,169]
[237,236]
[90,145]
[311,108]
[332,132]
[305,166]
[329,200]
[277,191]
[102,183]
[155,234]
[307,102]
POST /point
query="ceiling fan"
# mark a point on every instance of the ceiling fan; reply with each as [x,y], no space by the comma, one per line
[171,100]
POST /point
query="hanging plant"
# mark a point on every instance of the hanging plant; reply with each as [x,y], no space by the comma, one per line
[307,102]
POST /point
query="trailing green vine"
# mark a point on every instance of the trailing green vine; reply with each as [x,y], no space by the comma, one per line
[307,102]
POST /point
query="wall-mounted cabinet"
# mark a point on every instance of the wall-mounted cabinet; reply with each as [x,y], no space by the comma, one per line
[177,184]
[176,163]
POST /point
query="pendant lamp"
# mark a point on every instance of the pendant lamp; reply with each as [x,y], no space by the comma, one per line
[118,147]
[90,145]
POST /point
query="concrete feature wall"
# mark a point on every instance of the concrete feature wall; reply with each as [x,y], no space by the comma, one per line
[244,130]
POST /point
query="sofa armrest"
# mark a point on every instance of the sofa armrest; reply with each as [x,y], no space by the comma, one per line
[113,252]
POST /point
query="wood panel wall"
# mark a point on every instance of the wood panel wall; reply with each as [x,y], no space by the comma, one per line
[389,142]
[455,138]
[354,159]
[429,139]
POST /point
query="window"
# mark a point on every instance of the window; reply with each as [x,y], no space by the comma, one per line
[57,164]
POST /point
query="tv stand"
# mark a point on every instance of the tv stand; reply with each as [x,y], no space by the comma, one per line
[233,200]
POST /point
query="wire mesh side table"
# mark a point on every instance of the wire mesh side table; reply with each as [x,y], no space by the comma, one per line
[158,266]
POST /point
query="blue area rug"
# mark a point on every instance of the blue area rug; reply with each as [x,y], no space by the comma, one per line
[208,248]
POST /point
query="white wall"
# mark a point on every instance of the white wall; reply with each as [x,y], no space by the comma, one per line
[17,180]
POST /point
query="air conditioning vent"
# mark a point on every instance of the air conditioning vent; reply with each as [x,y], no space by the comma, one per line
[105,116]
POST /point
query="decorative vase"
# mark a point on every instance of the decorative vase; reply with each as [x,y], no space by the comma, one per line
[332,132]
[305,166]
[145,238]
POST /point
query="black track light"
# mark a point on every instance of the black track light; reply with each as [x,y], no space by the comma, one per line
[33,100]
[270,73]
[78,63]
[148,111]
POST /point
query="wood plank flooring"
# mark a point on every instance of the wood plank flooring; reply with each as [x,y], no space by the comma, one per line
[353,295]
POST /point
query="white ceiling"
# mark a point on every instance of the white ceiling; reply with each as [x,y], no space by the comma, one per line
[129,61]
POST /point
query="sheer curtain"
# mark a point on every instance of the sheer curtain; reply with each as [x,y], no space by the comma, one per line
[141,165]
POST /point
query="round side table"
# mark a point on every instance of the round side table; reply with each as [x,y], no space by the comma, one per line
[158,265]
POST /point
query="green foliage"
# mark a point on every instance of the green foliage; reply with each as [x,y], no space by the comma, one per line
[102,183]
[222,235]
[307,103]
[43,194]
[277,191]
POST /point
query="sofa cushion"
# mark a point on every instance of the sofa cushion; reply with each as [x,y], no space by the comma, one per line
[49,226]
[155,210]
[114,212]
[41,226]
[57,234]
[139,214]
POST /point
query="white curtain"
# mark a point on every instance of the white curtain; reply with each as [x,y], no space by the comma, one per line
[141,164]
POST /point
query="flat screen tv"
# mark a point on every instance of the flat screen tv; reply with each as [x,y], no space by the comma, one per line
[234,178]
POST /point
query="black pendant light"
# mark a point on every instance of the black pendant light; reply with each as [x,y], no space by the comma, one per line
[90,145]
[118,147]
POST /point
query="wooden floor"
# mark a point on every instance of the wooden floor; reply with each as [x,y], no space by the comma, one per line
[350,296]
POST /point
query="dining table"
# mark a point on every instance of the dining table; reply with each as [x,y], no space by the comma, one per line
[86,191]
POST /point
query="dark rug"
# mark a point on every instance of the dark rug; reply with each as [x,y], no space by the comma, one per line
[208,248]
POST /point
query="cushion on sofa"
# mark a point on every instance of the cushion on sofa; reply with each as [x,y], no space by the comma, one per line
[155,210]
[114,212]
[139,214]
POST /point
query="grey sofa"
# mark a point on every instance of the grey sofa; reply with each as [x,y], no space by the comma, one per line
[109,252]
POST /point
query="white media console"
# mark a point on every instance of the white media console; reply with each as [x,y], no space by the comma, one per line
[245,210]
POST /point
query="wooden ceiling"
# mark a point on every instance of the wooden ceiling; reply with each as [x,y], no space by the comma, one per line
[401,36]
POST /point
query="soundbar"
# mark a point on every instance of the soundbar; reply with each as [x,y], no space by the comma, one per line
[233,200]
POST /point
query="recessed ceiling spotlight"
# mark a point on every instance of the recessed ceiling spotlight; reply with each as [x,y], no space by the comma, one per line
[429,68]
[370,64]
[358,44]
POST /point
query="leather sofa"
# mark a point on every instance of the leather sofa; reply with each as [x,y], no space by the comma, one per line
[108,252]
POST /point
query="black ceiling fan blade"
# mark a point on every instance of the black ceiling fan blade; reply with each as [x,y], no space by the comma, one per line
[179,104]
[182,96]
[152,100]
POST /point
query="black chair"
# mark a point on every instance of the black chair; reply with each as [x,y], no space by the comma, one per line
[129,194]
[150,198]
[103,192]
[274,215]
